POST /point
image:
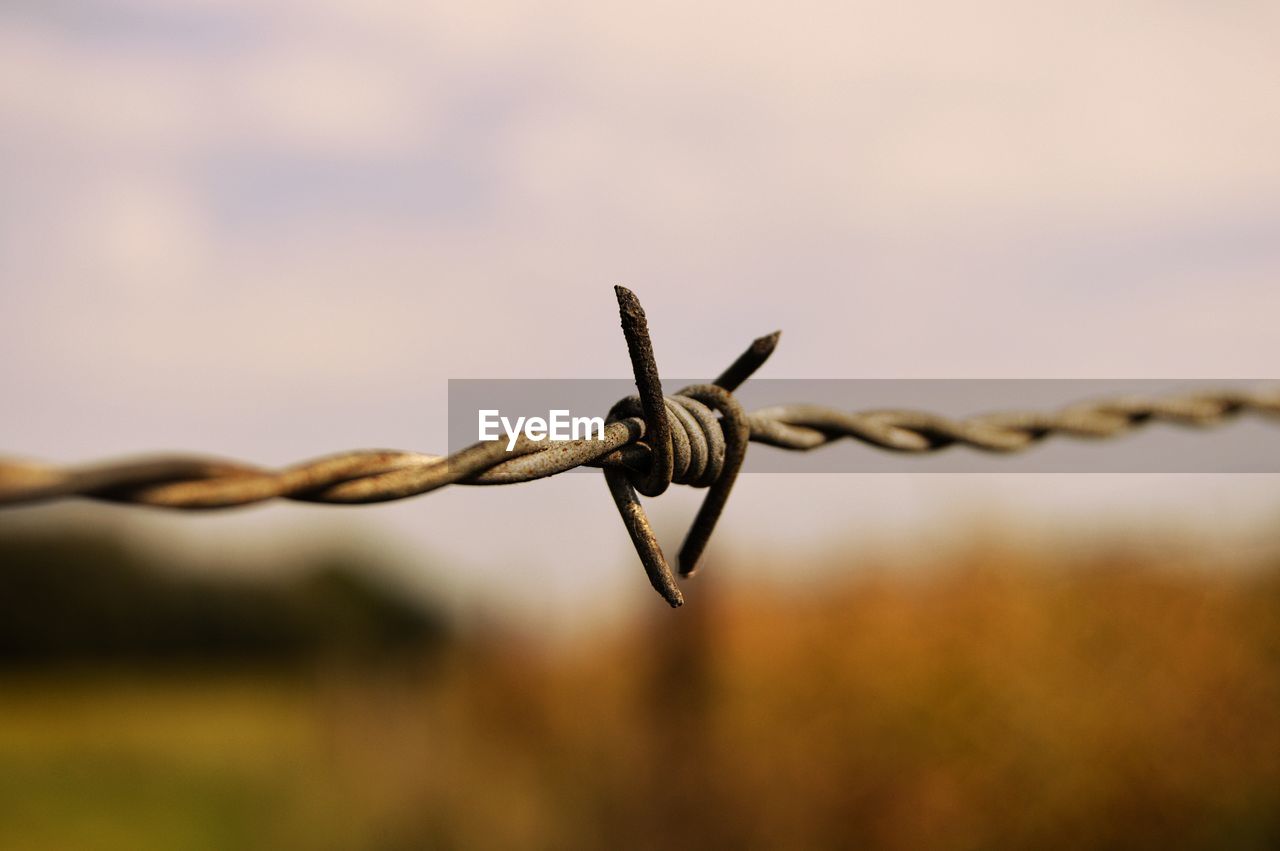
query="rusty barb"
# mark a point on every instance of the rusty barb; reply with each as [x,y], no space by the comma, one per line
[684,444]
[696,437]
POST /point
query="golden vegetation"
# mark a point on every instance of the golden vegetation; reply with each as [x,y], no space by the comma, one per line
[993,700]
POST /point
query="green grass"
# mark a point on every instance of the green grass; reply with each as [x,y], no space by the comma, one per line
[136,764]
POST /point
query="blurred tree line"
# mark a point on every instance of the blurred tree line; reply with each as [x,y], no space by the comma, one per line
[87,597]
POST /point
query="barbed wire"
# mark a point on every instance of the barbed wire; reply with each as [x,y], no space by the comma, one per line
[696,437]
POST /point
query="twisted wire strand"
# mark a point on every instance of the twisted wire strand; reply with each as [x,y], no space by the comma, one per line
[696,437]
[379,475]
[803,427]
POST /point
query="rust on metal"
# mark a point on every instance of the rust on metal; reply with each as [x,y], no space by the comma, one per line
[696,437]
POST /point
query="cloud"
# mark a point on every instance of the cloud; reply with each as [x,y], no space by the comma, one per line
[248,225]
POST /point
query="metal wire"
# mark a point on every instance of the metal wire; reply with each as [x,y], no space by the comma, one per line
[697,437]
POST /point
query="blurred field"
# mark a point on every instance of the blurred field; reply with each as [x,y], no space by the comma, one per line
[994,699]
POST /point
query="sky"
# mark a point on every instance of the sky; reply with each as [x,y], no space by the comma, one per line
[271,230]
